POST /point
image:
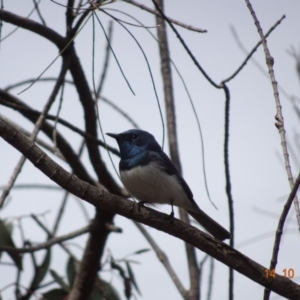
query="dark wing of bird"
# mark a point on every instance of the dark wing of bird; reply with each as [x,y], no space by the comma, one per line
[167,166]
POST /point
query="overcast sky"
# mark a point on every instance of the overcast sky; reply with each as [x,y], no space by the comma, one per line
[259,179]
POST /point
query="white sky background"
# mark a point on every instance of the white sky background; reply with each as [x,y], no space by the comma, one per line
[257,172]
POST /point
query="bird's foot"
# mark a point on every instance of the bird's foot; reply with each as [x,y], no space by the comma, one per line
[141,204]
[171,217]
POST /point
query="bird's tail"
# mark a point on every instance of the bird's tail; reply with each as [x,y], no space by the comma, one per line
[210,225]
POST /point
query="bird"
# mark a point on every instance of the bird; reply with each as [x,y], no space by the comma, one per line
[149,175]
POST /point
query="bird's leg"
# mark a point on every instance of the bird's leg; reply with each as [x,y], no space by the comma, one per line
[171,215]
[141,204]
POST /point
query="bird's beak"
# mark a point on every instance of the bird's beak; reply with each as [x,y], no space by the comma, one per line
[113,135]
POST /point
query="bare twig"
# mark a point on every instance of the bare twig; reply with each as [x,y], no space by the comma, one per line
[279,230]
[279,124]
[50,235]
[103,98]
[14,283]
[36,6]
[112,50]
[60,212]
[85,14]
[19,218]
[22,82]
[253,51]
[226,142]
[22,108]
[255,62]
[35,186]
[129,23]
[106,60]
[201,265]
[188,95]
[78,7]
[228,183]
[149,70]
[49,243]
[194,289]
[120,111]
[210,279]
[37,127]
[168,88]
[90,119]
[65,148]
[163,259]
[189,52]
[152,11]
[65,198]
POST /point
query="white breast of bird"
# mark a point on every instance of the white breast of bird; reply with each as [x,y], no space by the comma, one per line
[147,183]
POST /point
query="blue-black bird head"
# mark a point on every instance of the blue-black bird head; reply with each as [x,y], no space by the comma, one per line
[135,142]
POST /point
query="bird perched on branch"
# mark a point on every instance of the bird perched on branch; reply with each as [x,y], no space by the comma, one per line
[150,176]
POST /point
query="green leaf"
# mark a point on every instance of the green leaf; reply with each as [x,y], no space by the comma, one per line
[55,294]
[42,269]
[142,251]
[132,278]
[127,288]
[9,226]
[71,270]
[132,261]
[104,290]
[116,266]
[59,280]
[6,240]
[96,295]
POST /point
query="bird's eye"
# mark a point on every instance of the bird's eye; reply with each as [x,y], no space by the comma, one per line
[134,136]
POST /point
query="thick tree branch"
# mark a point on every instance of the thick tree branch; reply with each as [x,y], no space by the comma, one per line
[88,105]
[115,204]
[82,87]
[70,14]
[90,264]
[33,26]
[62,144]
[39,141]
[93,252]
[18,106]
